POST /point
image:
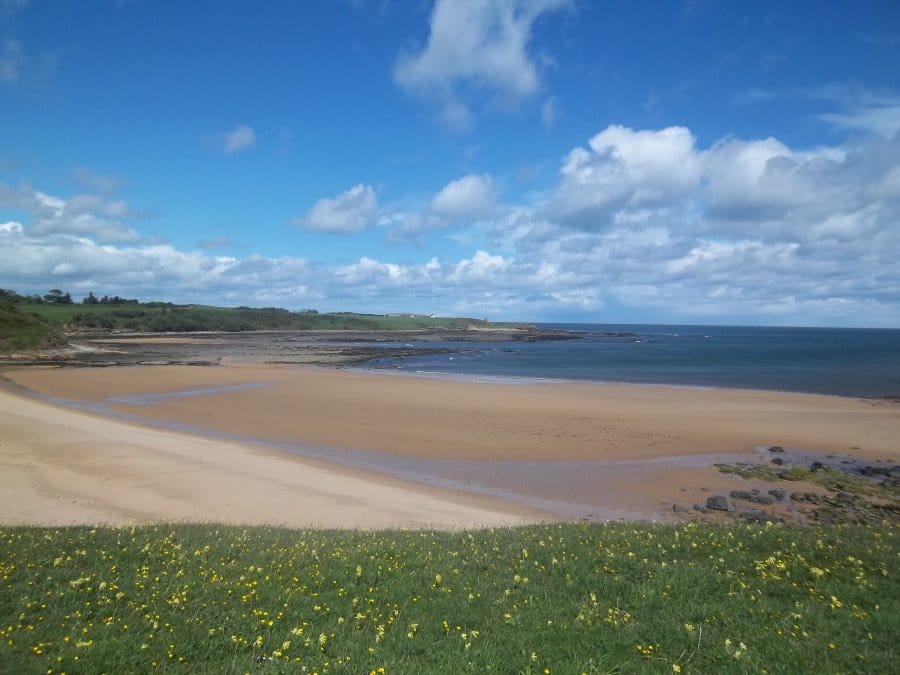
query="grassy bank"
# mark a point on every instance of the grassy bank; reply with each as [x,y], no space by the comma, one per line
[165,317]
[29,323]
[558,598]
[22,330]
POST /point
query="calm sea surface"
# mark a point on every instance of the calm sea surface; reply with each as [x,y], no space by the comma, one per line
[848,362]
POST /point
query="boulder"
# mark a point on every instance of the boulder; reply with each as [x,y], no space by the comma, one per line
[717,503]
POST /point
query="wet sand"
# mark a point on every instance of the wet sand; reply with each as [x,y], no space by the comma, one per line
[441,452]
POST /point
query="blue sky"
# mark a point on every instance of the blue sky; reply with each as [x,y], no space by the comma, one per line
[555,160]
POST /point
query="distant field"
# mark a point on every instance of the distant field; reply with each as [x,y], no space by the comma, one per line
[623,597]
[159,317]
[30,325]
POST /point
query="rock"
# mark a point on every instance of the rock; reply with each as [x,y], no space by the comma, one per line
[760,499]
[740,494]
[776,448]
[717,503]
[678,508]
[777,493]
[778,461]
[701,509]
[815,466]
[755,516]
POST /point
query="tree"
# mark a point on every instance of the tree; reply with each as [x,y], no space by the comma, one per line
[90,299]
[56,296]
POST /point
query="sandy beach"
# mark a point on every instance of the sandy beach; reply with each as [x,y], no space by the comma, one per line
[307,446]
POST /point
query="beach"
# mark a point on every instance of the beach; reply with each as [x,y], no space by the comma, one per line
[342,448]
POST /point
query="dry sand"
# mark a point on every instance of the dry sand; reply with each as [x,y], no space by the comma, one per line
[63,467]
[606,450]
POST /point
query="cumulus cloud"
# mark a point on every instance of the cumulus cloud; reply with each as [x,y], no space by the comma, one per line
[471,196]
[482,267]
[643,222]
[351,211]
[240,138]
[465,200]
[482,45]
[625,168]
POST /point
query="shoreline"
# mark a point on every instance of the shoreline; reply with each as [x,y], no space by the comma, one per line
[535,451]
[525,381]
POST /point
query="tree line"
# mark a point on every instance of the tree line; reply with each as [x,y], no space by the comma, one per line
[56,296]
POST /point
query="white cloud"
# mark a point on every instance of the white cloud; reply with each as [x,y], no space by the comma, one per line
[11,228]
[863,110]
[369,271]
[463,201]
[481,267]
[82,214]
[472,196]
[625,168]
[641,222]
[351,211]
[478,45]
[749,178]
[240,138]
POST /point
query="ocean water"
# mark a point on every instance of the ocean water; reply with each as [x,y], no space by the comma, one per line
[846,362]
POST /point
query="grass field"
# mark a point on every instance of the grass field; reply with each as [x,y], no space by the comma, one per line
[27,325]
[543,599]
[162,317]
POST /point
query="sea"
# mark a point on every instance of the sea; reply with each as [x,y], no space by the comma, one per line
[838,361]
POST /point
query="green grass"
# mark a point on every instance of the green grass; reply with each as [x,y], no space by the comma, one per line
[23,330]
[163,317]
[827,477]
[558,598]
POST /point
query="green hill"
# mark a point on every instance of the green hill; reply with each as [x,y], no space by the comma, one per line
[23,330]
[33,322]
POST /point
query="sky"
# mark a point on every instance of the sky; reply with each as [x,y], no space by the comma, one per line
[697,162]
